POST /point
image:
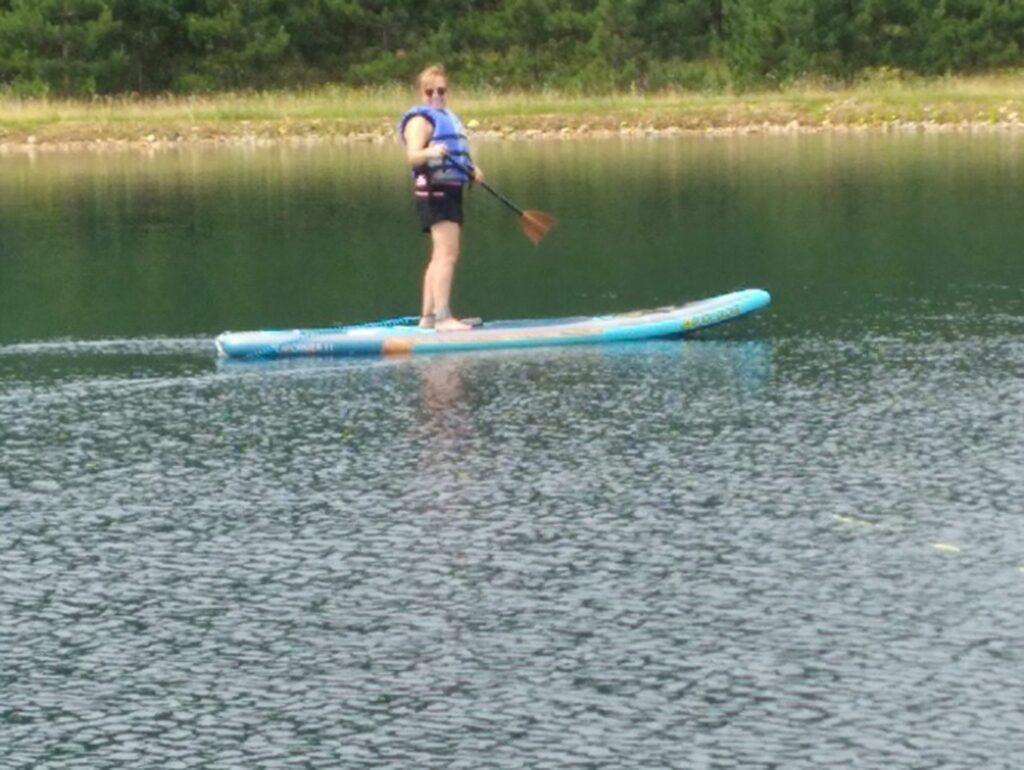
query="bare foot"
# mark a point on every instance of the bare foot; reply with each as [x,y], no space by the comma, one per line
[451,325]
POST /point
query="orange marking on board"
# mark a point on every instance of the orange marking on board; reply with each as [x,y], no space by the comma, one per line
[396,346]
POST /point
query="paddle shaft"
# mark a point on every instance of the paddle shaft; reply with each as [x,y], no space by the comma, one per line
[486,186]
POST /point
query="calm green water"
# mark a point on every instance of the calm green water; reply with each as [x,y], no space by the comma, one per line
[794,541]
[192,244]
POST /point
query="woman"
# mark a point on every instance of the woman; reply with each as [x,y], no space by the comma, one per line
[438,151]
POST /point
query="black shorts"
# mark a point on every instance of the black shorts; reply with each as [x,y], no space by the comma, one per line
[439,204]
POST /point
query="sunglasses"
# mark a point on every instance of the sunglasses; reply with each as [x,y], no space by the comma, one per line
[441,91]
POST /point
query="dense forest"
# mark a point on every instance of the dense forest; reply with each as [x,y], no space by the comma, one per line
[87,47]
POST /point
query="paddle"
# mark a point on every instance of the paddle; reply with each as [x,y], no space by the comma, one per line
[534,224]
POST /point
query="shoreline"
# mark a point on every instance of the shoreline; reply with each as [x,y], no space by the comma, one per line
[273,137]
[341,115]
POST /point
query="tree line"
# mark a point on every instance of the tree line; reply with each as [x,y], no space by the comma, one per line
[88,47]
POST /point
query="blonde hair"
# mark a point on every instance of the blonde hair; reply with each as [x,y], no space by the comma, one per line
[433,71]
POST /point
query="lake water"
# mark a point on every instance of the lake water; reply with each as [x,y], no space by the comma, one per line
[795,541]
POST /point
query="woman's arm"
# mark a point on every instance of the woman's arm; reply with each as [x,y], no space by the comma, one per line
[418,149]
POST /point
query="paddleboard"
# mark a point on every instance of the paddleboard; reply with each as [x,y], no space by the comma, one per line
[404,337]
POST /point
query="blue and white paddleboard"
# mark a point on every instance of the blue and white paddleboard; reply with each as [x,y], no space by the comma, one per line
[389,338]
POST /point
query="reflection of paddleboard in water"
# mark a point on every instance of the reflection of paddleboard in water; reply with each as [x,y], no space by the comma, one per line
[403,336]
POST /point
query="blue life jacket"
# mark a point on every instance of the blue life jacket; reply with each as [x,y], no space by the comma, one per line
[448,130]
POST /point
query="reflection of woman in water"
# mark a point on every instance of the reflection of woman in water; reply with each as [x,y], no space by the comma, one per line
[446,424]
[442,386]
[432,135]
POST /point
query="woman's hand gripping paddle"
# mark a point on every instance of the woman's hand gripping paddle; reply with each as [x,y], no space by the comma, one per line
[534,224]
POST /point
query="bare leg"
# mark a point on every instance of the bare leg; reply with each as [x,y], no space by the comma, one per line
[427,308]
[437,282]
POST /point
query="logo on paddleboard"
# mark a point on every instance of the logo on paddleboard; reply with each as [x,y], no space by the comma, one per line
[712,318]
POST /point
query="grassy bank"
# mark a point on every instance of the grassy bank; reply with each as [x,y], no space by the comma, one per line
[347,114]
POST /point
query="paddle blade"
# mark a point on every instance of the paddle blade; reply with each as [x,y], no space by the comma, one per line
[535,225]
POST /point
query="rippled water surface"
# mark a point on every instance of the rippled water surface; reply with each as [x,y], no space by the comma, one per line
[792,542]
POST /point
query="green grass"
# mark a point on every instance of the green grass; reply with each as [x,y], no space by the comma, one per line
[878,100]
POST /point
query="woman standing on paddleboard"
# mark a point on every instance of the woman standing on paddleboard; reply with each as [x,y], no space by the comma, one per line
[438,151]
